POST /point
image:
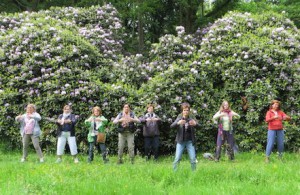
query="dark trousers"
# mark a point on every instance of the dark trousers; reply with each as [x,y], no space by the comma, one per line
[151,145]
[225,136]
[100,147]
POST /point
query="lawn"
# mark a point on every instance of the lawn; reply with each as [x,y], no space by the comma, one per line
[249,174]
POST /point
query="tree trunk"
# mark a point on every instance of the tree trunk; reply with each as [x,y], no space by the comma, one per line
[140,33]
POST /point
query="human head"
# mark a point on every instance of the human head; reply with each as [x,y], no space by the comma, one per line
[67,109]
[185,108]
[96,111]
[225,106]
[150,108]
[126,108]
[30,108]
[275,104]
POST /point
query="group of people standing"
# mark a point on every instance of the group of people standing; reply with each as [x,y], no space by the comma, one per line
[126,121]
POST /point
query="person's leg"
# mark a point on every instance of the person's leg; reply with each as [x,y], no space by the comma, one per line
[230,141]
[270,142]
[121,145]
[155,147]
[73,147]
[147,142]
[103,152]
[130,142]
[178,154]
[25,140]
[219,146]
[192,154]
[91,150]
[36,144]
[61,143]
[280,142]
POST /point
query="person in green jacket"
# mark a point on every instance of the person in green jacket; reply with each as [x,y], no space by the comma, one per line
[96,124]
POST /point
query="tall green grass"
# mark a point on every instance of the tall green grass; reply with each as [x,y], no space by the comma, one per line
[247,175]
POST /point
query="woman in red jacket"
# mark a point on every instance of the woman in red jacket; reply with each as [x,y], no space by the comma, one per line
[274,118]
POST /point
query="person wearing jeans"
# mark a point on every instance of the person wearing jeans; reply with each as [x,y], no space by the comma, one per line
[66,132]
[274,118]
[185,137]
[30,129]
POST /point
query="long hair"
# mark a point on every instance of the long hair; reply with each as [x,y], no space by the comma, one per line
[222,106]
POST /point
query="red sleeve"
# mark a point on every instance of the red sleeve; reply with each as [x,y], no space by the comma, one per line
[282,114]
[269,116]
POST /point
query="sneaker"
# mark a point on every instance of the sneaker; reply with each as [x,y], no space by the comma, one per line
[267,160]
[76,160]
[41,160]
[23,160]
[58,160]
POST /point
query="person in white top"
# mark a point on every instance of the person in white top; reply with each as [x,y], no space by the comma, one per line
[225,118]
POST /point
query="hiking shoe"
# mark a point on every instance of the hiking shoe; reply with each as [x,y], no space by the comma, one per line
[23,160]
[267,160]
[41,160]
[76,160]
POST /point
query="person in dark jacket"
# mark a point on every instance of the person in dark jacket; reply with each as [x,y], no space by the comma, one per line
[150,123]
[66,132]
[185,137]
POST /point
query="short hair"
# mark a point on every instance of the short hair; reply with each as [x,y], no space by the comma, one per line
[150,105]
[97,108]
[32,106]
[185,105]
[67,106]
[274,102]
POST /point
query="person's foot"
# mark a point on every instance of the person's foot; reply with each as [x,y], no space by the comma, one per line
[58,160]
[41,160]
[120,161]
[76,160]
[106,161]
[132,160]
[267,160]
[23,160]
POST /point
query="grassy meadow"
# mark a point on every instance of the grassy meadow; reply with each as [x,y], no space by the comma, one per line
[247,175]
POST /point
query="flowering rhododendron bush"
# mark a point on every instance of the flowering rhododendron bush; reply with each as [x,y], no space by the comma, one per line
[74,56]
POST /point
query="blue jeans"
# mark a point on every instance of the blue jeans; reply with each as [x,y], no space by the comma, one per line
[272,134]
[191,151]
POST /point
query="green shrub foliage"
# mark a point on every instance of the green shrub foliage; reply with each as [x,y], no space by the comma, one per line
[74,56]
